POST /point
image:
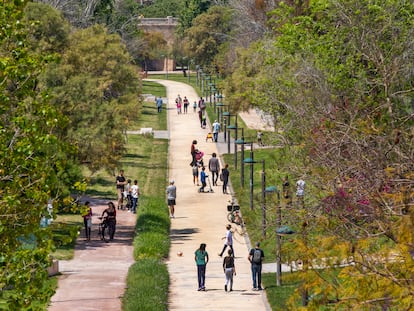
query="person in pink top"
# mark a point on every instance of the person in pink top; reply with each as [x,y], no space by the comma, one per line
[179,102]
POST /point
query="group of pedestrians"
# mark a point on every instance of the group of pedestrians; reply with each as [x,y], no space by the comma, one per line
[128,194]
[199,178]
[127,199]
[181,104]
[255,257]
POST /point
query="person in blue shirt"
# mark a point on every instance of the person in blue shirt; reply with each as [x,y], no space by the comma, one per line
[203,177]
[159,103]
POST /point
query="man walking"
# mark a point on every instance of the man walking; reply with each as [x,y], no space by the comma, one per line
[159,103]
[256,256]
[171,196]
[216,130]
[214,167]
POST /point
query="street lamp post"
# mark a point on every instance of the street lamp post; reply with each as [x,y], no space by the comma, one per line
[198,75]
[263,200]
[203,75]
[273,189]
[208,78]
[278,242]
[231,127]
[189,69]
[251,162]
[242,143]
[237,142]
[226,122]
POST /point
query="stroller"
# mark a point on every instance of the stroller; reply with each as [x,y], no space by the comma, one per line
[199,157]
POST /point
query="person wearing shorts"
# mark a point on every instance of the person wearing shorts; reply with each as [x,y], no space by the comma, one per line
[171,196]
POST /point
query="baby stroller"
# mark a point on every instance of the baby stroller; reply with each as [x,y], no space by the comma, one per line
[199,157]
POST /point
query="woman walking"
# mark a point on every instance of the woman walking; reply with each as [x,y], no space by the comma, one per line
[229,270]
[201,259]
[110,212]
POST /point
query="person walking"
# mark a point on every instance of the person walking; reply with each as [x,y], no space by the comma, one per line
[201,259]
[110,212]
[228,240]
[185,103]
[87,220]
[229,270]
[193,153]
[216,130]
[179,102]
[135,195]
[159,103]
[200,117]
[214,167]
[225,173]
[195,107]
[171,197]
[120,188]
[256,256]
[203,177]
[195,174]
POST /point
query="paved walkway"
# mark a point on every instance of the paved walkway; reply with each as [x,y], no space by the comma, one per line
[95,278]
[201,218]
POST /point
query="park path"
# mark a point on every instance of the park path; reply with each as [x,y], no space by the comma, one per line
[201,218]
[95,278]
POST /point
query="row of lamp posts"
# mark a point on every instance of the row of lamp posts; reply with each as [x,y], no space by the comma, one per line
[208,89]
[265,190]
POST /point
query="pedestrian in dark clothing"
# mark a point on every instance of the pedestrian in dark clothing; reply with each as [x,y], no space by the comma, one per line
[193,153]
[201,259]
[110,219]
[256,256]
[225,176]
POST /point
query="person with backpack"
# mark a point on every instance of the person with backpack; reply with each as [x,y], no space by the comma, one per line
[256,256]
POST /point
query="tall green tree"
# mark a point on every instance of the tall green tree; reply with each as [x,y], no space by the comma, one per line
[191,9]
[31,159]
[209,33]
[97,88]
[338,79]
[162,8]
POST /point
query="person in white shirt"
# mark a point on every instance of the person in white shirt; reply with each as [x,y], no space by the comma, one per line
[135,195]
[228,240]
[216,130]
